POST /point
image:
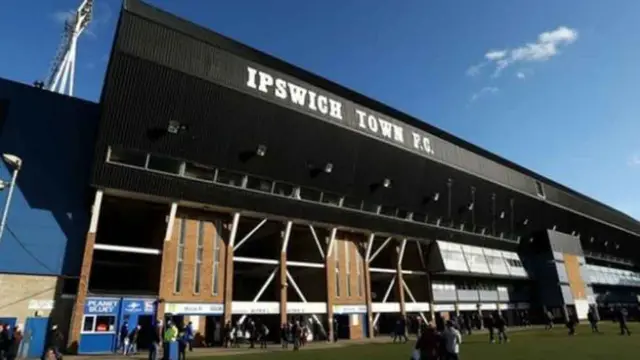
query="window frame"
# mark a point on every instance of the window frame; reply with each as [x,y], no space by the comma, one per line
[94,318]
[179,268]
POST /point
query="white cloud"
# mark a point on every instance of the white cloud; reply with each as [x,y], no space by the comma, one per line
[495,55]
[634,160]
[487,90]
[544,48]
[520,75]
[63,16]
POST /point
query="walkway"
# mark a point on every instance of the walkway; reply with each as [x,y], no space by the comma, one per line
[217,351]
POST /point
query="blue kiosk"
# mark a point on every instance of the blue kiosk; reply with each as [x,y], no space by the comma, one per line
[103,317]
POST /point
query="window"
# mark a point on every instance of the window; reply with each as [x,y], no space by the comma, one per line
[127,157]
[199,252]
[336,255]
[388,210]
[164,164]
[216,255]
[352,203]
[359,272]
[89,323]
[331,199]
[347,263]
[230,178]
[283,189]
[99,324]
[540,189]
[310,194]
[180,257]
[200,172]
[260,184]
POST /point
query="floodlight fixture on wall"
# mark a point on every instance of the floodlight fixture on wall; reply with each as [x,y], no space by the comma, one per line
[436,196]
[328,168]
[525,222]
[175,127]
[386,183]
[502,215]
[261,150]
[470,206]
[592,239]
[483,231]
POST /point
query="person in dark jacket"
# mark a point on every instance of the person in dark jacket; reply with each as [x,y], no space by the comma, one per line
[5,340]
[622,321]
[156,341]
[55,341]
[428,343]
[227,334]
[490,325]
[572,323]
[593,318]
[501,326]
[14,344]
[133,341]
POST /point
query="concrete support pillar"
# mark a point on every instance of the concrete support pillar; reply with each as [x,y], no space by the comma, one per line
[330,271]
[400,247]
[367,285]
[169,249]
[284,286]
[85,273]
[228,271]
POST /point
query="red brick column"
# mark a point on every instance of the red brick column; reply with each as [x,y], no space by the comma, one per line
[85,273]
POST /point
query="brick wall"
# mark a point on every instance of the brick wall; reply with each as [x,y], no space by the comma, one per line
[212,230]
[347,244]
[83,288]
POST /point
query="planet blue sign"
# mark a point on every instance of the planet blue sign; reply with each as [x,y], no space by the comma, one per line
[101,306]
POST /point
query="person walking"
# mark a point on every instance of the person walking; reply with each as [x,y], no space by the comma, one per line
[501,326]
[427,346]
[593,318]
[622,321]
[452,340]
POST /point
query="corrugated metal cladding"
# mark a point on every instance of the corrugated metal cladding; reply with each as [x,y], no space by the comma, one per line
[173,95]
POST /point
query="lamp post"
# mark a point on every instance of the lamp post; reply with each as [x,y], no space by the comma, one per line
[15,163]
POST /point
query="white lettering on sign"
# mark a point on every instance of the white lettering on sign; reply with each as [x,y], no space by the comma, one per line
[295,94]
[101,306]
[376,125]
[186,308]
[366,122]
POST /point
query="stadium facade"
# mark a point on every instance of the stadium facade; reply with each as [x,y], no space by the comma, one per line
[214,182]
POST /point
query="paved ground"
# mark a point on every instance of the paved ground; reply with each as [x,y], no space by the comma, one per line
[217,351]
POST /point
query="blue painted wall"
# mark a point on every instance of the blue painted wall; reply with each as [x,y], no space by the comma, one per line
[49,213]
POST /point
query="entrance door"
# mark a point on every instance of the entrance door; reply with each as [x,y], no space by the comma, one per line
[146,330]
[35,336]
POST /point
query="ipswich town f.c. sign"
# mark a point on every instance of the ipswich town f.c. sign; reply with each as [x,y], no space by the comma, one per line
[337,110]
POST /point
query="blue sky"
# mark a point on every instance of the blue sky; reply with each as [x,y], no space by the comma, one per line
[556,91]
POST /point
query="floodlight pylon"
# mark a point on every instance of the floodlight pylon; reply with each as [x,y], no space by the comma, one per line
[61,76]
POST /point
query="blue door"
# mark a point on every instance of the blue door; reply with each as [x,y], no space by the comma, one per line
[35,335]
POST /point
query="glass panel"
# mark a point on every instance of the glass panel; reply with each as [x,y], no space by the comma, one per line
[370,207]
[229,178]
[352,203]
[331,199]
[127,157]
[88,323]
[259,184]
[388,210]
[164,164]
[105,323]
[310,194]
[199,172]
[283,189]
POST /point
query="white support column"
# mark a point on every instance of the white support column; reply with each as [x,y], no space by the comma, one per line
[250,234]
[302,297]
[401,254]
[384,299]
[95,212]
[423,263]
[171,221]
[228,275]
[261,291]
[317,240]
[369,247]
[331,240]
[413,299]
[384,244]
